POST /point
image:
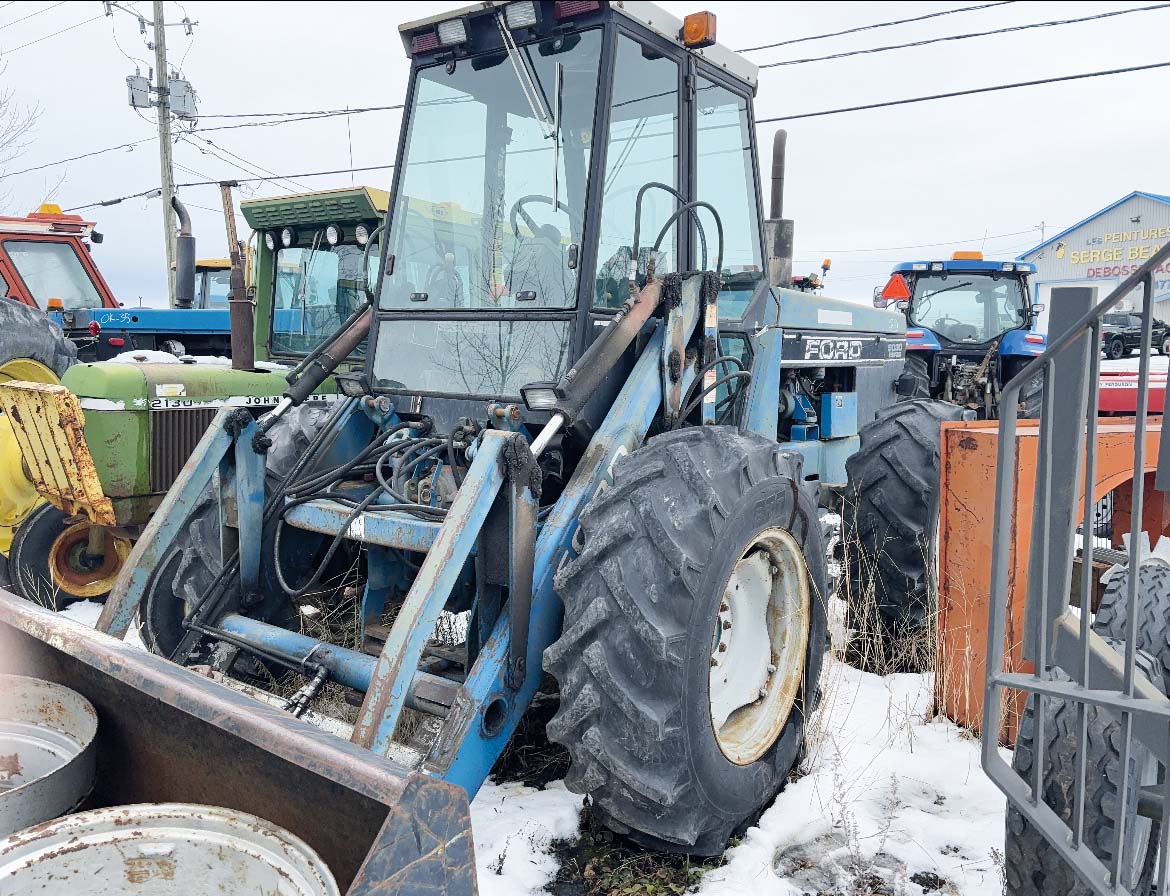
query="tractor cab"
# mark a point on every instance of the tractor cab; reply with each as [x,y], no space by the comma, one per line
[547,152]
[970,324]
[45,262]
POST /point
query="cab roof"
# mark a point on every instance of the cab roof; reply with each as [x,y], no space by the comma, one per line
[649,15]
[963,264]
[322,207]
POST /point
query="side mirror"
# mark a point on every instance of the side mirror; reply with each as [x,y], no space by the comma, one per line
[879,301]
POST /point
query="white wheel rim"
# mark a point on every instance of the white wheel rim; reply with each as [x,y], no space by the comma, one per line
[759,646]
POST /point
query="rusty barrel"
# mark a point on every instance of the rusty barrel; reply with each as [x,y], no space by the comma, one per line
[161,850]
[46,751]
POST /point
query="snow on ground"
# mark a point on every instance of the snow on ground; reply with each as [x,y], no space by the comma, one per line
[87,612]
[1158,364]
[888,794]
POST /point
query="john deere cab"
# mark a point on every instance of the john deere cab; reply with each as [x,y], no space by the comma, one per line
[588,439]
[971,327]
[102,448]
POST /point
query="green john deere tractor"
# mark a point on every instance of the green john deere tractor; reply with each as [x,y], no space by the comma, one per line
[102,448]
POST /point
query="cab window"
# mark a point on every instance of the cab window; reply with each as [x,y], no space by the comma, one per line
[642,147]
[725,177]
[53,271]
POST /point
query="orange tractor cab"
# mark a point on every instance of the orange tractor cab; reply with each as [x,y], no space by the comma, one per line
[45,262]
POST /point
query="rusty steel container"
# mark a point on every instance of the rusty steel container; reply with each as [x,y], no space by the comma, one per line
[163,849]
[46,751]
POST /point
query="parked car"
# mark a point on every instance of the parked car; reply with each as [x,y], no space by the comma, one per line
[1121,333]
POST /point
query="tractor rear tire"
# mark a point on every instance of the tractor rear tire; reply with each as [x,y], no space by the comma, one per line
[1032,867]
[28,333]
[915,376]
[1032,394]
[186,571]
[647,603]
[889,523]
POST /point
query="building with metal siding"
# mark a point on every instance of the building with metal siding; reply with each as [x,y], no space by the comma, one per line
[1103,250]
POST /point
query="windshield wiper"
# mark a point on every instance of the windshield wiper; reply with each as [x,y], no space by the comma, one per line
[549,119]
[937,292]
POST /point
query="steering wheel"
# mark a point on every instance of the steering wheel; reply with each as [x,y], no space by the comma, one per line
[944,321]
[533,227]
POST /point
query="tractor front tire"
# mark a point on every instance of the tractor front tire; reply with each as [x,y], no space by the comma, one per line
[889,523]
[50,566]
[194,560]
[672,730]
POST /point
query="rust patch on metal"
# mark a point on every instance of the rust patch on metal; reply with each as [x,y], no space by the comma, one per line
[140,869]
[9,766]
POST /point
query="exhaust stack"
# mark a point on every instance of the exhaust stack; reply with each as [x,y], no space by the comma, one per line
[778,229]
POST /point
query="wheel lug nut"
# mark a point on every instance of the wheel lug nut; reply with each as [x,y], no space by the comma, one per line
[726,624]
[723,648]
[723,608]
[763,692]
[714,661]
[771,668]
[775,570]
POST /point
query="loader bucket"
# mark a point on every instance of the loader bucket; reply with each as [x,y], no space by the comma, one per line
[166,734]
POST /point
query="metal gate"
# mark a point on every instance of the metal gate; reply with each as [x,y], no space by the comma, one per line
[1096,672]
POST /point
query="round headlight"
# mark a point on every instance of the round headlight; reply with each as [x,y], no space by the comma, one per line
[361,233]
[271,240]
[334,234]
[288,237]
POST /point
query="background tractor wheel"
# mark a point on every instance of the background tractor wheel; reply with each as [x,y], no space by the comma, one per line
[194,559]
[1153,612]
[1031,866]
[34,349]
[915,379]
[50,563]
[1032,395]
[889,522]
[693,638]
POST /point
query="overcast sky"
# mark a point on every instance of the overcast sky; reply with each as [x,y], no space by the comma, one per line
[858,184]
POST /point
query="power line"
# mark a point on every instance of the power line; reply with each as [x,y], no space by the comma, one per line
[31,15]
[994,236]
[949,37]
[47,36]
[307,113]
[243,180]
[972,91]
[932,15]
[85,155]
[288,120]
[240,163]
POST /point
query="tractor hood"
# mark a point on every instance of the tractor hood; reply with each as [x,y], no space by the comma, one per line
[114,386]
[809,311]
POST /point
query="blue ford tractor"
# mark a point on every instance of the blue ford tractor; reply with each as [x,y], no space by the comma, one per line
[970,329]
[588,441]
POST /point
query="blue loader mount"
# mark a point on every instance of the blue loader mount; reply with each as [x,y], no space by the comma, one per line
[971,327]
[589,440]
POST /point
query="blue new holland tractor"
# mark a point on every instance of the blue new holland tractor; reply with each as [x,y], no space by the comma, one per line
[971,327]
[589,441]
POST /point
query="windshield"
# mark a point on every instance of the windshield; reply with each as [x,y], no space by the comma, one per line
[968,306]
[316,289]
[215,286]
[53,271]
[474,224]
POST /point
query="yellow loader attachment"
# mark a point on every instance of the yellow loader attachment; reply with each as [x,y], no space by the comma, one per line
[47,424]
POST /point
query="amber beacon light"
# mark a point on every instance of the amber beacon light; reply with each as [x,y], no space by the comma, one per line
[698,30]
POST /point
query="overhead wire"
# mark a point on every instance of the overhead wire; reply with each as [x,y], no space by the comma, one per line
[876,25]
[31,15]
[1053,23]
[47,36]
[971,92]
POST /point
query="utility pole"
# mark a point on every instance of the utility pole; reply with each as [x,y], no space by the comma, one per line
[162,86]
